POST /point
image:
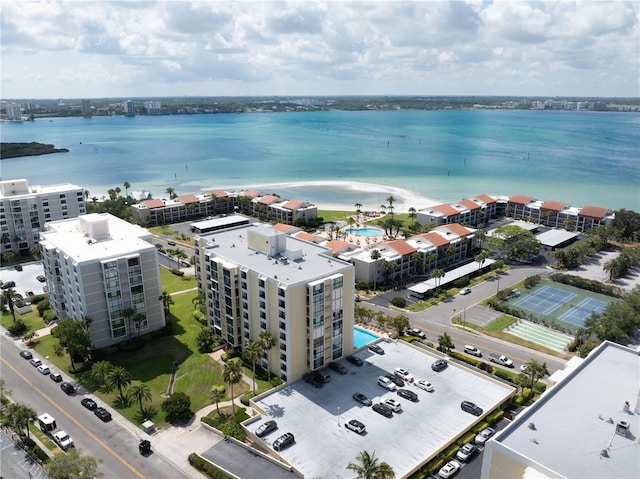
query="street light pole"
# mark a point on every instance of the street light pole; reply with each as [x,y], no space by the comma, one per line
[498,287]
[338,416]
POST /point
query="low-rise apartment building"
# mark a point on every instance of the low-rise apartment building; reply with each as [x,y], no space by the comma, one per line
[472,211]
[25,209]
[103,268]
[256,278]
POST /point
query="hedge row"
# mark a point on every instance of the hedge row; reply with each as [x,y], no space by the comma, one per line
[207,468]
[588,284]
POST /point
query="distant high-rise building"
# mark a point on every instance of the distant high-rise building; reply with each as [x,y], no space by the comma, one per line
[86,108]
[129,108]
[12,111]
[153,107]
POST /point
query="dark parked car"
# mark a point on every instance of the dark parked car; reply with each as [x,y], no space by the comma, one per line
[18,267]
[439,365]
[355,360]
[383,409]
[362,399]
[471,408]
[395,379]
[355,426]
[89,403]
[266,428]
[410,395]
[314,380]
[374,348]
[41,278]
[26,354]
[102,414]
[324,376]
[283,441]
[67,388]
[55,377]
[338,368]
[9,284]
[467,451]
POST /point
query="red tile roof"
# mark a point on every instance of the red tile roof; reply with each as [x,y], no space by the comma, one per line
[435,239]
[402,247]
[293,205]
[447,210]
[186,199]
[303,235]
[252,193]
[337,245]
[520,199]
[594,212]
[267,200]
[553,205]
[486,199]
[455,228]
[218,193]
[154,203]
[284,228]
[472,205]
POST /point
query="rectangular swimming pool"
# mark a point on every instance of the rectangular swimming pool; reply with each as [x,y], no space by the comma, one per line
[362,337]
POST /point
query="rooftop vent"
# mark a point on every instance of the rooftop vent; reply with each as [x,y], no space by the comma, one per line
[622,428]
[532,426]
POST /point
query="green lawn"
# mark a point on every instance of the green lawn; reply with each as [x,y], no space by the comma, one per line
[172,283]
[32,320]
[331,215]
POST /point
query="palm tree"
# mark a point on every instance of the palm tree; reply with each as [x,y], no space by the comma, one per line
[167,301]
[20,416]
[128,314]
[358,208]
[268,342]
[86,195]
[138,319]
[119,377]
[200,302]
[390,200]
[444,342]
[232,374]
[9,297]
[171,192]
[437,274]
[413,214]
[368,467]
[35,251]
[140,392]
[100,372]
[253,351]
[217,393]
[126,185]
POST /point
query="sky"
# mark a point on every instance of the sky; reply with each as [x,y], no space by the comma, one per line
[85,49]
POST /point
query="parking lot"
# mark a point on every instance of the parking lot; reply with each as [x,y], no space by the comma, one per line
[26,279]
[316,416]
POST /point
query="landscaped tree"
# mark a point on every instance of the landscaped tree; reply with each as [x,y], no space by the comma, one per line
[533,371]
[100,372]
[390,200]
[128,314]
[481,257]
[413,214]
[73,465]
[369,467]
[126,185]
[140,392]
[200,302]
[268,342]
[167,301]
[205,340]
[232,374]
[375,254]
[119,378]
[516,242]
[253,351]
[35,252]
[388,268]
[138,319]
[171,192]
[9,298]
[73,337]
[177,408]
[217,394]
[9,257]
[444,342]
[20,416]
[437,274]
[399,323]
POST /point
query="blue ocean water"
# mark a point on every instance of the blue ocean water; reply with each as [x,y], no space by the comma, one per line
[338,158]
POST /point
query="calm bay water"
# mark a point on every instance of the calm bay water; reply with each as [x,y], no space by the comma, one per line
[339,158]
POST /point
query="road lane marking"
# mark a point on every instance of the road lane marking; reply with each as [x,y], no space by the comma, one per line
[71,418]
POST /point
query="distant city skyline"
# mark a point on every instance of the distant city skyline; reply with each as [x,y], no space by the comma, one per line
[138,49]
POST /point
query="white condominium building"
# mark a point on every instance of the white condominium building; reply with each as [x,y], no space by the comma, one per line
[257,279]
[102,268]
[25,209]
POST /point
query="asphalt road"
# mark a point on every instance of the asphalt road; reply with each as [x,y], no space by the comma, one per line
[437,319]
[111,442]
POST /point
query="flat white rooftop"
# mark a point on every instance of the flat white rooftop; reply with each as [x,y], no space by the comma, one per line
[554,238]
[571,430]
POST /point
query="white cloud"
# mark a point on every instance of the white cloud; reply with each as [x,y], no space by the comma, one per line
[132,48]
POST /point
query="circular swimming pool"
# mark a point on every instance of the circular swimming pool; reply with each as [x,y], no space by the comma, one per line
[365,231]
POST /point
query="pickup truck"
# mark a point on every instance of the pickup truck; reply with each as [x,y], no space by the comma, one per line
[501,359]
[47,424]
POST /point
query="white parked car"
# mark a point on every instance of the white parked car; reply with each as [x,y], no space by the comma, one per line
[449,469]
[472,350]
[404,375]
[484,435]
[464,291]
[394,404]
[423,384]
[44,369]
[386,383]
[523,368]
[63,439]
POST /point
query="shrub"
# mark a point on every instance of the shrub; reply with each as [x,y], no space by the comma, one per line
[205,340]
[495,416]
[399,302]
[234,430]
[207,468]
[177,272]
[462,282]
[48,316]
[177,407]
[486,367]
[245,398]
[18,328]
[37,298]
[43,306]
[539,387]
[275,381]
[464,357]
[503,374]
[468,437]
